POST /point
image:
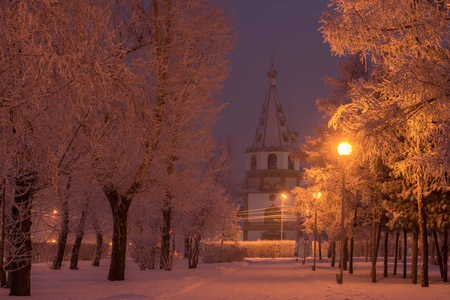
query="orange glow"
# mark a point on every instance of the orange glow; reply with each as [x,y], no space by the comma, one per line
[344,148]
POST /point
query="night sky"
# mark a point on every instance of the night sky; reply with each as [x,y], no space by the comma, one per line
[302,60]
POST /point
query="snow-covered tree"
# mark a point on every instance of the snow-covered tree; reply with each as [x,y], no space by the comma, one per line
[177,52]
[53,69]
[401,112]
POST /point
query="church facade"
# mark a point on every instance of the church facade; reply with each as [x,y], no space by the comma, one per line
[268,210]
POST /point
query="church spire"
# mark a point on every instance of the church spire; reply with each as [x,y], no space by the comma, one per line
[272,132]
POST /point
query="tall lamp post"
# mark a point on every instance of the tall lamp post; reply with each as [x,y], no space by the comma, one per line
[283,196]
[316,197]
[344,149]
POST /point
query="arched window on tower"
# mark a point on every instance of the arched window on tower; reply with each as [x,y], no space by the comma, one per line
[253,163]
[290,164]
[272,161]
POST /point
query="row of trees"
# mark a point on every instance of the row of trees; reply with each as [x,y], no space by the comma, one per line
[117,98]
[391,103]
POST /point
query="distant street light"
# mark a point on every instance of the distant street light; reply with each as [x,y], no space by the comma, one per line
[344,149]
[316,197]
[283,196]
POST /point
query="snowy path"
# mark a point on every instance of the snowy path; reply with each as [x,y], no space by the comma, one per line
[252,279]
[288,279]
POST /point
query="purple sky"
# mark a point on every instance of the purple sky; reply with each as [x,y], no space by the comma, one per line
[289,27]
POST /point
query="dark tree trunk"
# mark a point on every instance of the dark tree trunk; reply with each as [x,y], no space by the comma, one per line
[20,238]
[345,260]
[438,254]
[194,251]
[333,254]
[330,249]
[445,255]
[386,243]
[119,207]
[400,252]
[3,235]
[350,268]
[373,256]
[397,236]
[79,238]
[98,248]
[166,259]
[423,239]
[320,247]
[415,255]
[305,242]
[62,238]
[99,238]
[405,245]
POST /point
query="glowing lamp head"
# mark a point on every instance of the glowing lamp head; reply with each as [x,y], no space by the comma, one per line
[344,148]
[284,196]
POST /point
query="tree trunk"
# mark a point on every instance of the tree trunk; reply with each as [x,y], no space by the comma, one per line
[62,238]
[438,254]
[345,260]
[305,242]
[423,237]
[99,237]
[405,244]
[20,238]
[194,251]
[79,238]
[98,248]
[414,256]
[166,260]
[397,236]
[119,207]
[386,243]
[445,255]
[320,247]
[2,242]
[350,269]
[400,252]
[330,249]
[333,253]
[373,256]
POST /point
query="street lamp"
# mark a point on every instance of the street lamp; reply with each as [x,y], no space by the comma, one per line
[317,197]
[344,149]
[283,196]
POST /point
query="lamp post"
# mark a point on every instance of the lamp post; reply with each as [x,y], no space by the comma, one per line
[316,196]
[283,196]
[344,149]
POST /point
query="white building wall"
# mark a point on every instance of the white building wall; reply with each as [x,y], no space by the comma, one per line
[260,201]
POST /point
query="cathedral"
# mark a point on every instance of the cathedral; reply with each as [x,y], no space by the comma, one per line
[268,211]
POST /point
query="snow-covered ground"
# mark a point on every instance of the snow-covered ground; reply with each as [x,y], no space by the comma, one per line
[280,278]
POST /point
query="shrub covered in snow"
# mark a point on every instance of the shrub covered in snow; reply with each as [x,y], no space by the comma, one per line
[229,252]
[236,251]
[268,248]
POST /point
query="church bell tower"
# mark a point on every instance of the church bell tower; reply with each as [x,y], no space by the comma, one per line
[270,173]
